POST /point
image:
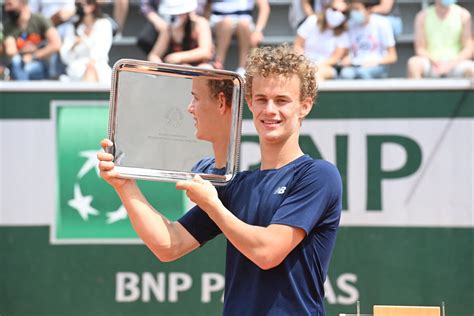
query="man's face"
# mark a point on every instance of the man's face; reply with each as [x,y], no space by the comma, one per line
[204,108]
[276,107]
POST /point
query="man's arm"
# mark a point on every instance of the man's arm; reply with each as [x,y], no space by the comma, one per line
[267,246]
[390,57]
[262,19]
[307,8]
[53,46]
[10,46]
[384,7]
[166,239]
[466,36]
[420,39]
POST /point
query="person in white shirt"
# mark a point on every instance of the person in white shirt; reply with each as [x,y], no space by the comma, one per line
[372,43]
[323,38]
[86,47]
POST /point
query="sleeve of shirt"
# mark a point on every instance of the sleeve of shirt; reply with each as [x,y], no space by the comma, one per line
[305,28]
[313,197]
[100,40]
[66,52]
[199,225]
[386,33]
[45,24]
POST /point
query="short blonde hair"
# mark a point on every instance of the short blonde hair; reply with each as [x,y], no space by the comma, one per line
[281,60]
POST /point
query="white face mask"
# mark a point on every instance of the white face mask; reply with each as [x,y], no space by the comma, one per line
[334,18]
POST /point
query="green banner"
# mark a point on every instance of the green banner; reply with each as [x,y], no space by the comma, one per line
[406,235]
[88,208]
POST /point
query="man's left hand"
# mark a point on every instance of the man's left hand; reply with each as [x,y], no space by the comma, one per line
[201,192]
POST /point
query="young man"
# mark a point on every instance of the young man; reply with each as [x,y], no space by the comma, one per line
[211,108]
[442,42]
[280,221]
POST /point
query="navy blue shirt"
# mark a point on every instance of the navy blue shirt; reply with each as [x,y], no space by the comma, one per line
[206,165]
[306,194]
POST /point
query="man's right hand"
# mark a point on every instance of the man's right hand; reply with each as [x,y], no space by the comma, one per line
[106,167]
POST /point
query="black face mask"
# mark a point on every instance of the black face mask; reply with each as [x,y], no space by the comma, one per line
[13,15]
[79,10]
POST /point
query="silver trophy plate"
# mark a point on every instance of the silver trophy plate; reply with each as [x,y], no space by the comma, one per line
[162,127]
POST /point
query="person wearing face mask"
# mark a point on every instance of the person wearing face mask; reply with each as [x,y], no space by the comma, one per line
[30,40]
[443,43]
[87,45]
[372,43]
[189,36]
[323,38]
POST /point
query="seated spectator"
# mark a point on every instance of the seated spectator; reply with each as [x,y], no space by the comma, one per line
[235,17]
[30,40]
[443,44]
[391,11]
[60,12]
[323,38]
[87,45]
[372,44]
[188,36]
[149,40]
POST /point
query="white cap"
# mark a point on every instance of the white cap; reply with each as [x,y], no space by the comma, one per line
[176,7]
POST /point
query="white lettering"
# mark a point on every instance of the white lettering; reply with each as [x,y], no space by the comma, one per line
[348,288]
[150,284]
[329,292]
[211,282]
[126,281]
[178,282]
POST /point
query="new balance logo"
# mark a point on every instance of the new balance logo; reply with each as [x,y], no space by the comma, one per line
[280,190]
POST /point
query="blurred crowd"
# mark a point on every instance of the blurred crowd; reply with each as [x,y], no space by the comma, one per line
[70,40]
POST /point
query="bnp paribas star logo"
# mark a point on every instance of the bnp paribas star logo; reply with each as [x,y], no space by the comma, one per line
[88,209]
[83,203]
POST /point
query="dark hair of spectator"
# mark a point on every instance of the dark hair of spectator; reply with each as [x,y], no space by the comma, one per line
[367,3]
[97,13]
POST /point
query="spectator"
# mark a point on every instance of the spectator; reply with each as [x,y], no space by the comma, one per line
[234,16]
[30,39]
[149,39]
[323,38]
[443,44]
[188,36]
[87,45]
[60,12]
[372,44]
[391,11]
[120,15]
